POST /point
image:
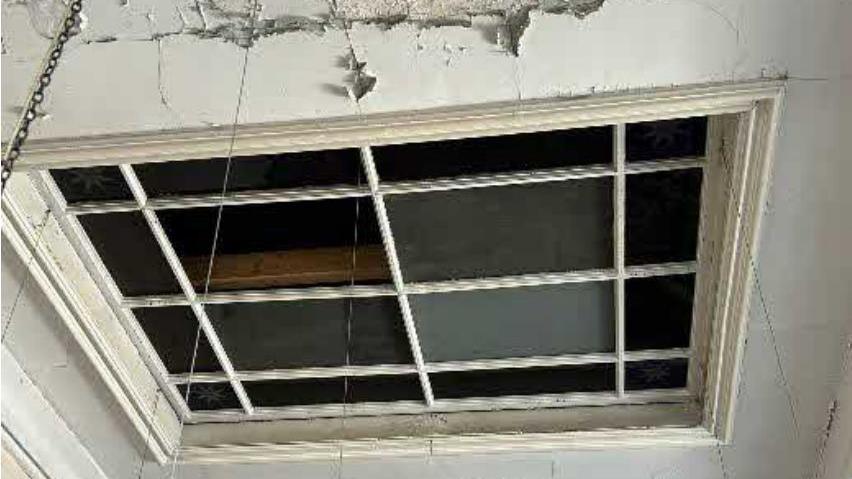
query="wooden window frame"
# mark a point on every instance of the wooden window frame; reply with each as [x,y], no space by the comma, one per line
[741,132]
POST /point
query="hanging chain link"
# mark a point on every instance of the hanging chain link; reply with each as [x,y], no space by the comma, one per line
[22,129]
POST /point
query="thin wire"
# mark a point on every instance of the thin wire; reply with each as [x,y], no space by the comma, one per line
[144,454]
[765,309]
[771,328]
[252,5]
[349,315]
[40,227]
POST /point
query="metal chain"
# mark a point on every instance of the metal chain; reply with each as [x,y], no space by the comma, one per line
[22,129]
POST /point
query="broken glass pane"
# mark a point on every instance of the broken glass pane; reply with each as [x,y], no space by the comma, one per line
[210,396]
[99,183]
[656,374]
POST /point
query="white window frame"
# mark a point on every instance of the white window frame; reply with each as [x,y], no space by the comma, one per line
[742,129]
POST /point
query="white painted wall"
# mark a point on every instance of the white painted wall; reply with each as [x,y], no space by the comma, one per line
[804,268]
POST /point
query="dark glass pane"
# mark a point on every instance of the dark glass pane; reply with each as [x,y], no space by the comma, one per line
[503,231]
[210,396]
[131,254]
[98,183]
[172,331]
[657,140]
[662,216]
[280,245]
[507,382]
[261,172]
[659,374]
[333,390]
[531,321]
[470,156]
[658,312]
[294,334]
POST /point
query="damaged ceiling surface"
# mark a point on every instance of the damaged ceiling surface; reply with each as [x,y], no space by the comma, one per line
[177,64]
[337,34]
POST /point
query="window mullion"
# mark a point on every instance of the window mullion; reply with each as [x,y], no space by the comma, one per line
[619,187]
[396,272]
[186,285]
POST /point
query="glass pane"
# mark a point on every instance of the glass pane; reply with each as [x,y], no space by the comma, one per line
[294,334]
[92,184]
[503,231]
[334,390]
[172,331]
[659,374]
[210,396]
[507,382]
[470,156]
[530,321]
[280,245]
[658,312]
[261,172]
[662,216]
[657,140]
[131,253]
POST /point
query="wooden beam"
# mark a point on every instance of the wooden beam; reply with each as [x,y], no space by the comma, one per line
[277,269]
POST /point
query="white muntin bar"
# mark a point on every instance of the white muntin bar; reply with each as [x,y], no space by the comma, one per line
[619,202]
[302,373]
[393,188]
[450,286]
[264,295]
[539,401]
[396,272]
[657,354]
[186,285]
[436,367]
[498,282]
[496,179]
[73,230]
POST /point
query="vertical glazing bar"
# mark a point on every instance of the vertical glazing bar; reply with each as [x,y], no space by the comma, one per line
[186,285]
[396,272]
[619,199]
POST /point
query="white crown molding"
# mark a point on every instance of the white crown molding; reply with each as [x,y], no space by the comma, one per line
[417,126]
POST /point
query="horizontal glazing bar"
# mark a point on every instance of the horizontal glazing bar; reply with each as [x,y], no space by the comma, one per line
[391,188]
[448,405]
[434,367]
[538,279]
[303,373]
[656,354]
[259,296]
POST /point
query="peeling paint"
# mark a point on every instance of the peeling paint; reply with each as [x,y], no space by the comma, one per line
[357,82]
[502,22]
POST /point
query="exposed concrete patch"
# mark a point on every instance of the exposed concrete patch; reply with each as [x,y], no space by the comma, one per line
[232,21]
